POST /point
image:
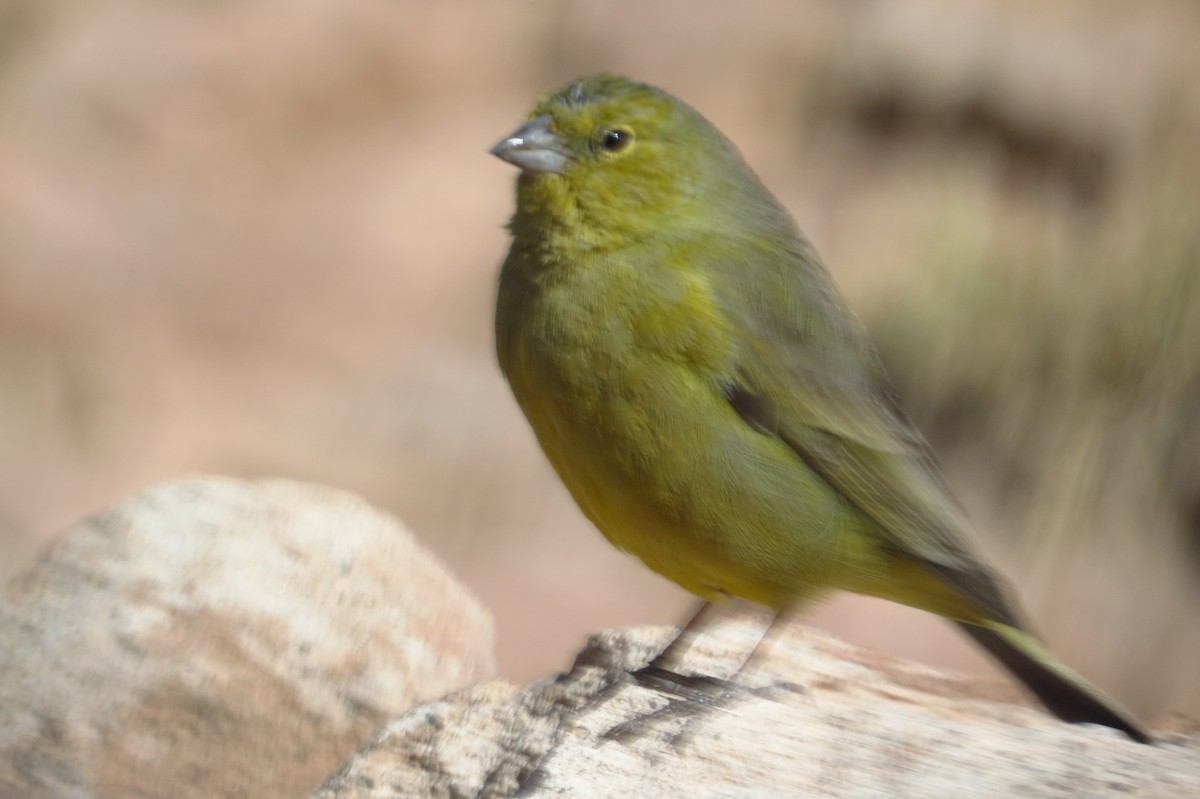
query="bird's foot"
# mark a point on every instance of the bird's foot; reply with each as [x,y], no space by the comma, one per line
[696,688]
[689,697]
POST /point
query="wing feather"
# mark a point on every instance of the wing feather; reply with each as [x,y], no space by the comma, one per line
[807,374]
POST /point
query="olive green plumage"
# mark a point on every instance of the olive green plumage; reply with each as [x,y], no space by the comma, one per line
[693,375]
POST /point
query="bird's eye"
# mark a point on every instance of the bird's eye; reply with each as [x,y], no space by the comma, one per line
[614,140]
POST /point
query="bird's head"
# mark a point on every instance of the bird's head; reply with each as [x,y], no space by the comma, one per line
[614,160]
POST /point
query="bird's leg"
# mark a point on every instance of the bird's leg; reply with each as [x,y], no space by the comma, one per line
[690,695]
[763,648]
[665,664]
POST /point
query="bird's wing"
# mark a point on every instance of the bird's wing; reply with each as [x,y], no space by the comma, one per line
[806,373]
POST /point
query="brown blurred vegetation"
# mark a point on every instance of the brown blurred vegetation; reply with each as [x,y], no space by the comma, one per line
[261,239]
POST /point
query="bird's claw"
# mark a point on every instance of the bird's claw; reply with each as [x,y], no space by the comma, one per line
[688,695]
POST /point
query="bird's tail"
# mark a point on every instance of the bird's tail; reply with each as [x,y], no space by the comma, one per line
[1064,693]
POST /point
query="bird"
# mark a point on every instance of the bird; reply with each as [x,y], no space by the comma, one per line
[696,380]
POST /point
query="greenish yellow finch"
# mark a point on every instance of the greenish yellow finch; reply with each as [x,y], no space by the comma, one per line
[692,374]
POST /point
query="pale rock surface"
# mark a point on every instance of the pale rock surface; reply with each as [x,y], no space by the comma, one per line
[217,638]
[851,723]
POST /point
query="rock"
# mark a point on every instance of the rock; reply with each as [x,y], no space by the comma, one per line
[211,637]
[854,724]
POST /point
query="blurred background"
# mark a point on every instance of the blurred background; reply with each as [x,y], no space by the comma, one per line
[262,238]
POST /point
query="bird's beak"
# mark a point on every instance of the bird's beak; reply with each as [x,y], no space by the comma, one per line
[534,148]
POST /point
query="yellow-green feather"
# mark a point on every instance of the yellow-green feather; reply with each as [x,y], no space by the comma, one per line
[690,371]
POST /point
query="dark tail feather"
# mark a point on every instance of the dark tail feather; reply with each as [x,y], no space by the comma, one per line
[1064,693]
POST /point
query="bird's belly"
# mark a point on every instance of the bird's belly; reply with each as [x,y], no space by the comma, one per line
[666,469]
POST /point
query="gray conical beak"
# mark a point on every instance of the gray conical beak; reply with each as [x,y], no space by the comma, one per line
[534,148]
